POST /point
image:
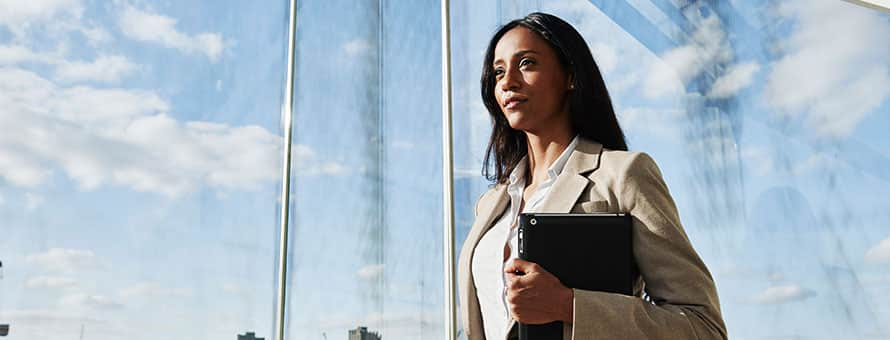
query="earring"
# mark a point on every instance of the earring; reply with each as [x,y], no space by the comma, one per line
[571,86]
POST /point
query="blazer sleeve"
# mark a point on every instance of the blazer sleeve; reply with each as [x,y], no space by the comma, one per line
[684,303]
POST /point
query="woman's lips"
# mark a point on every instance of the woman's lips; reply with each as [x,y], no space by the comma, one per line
[512,103]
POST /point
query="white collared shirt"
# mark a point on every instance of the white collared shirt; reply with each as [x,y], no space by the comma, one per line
[488,257]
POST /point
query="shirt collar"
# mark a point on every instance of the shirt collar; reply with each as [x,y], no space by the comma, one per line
[560,163]
[555,168]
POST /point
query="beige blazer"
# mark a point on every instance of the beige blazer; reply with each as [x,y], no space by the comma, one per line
[684,299]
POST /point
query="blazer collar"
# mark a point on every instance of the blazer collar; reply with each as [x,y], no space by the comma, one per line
[585,157]
[571,182]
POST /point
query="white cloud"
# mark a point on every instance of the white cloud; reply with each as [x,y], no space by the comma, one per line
[306,163]
[761,161]
[605,55]
[707,47]
[95,35]
[738,76]
[371,271]
[706,51]
[153,290]
[21,169]
[14,54]
[833,72]
[18,15]
[662,78]
[54,17]
[125,137]
[51,282]
[156,28]
[880,253]
[64,260]
[83,300]
[103,108]
[103,69]
[357,47]
[783,294]
[646,121]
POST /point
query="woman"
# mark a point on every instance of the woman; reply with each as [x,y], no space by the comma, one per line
[556,147]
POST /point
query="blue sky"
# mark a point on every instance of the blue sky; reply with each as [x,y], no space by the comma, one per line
[140,159]
[141,156]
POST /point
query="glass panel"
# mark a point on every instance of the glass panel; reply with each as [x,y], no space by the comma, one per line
[140,159]
[367,217]
[472,24]
[767,122]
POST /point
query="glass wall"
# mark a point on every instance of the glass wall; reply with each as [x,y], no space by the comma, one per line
[766,119]
[367,178]
[141,144]
[140,162]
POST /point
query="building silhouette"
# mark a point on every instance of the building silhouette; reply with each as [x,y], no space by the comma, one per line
[248,336]
[361,333]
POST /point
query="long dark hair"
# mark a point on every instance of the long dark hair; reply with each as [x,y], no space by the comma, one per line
[590,109]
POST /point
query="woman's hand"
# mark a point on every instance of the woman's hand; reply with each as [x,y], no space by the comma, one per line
[534,296]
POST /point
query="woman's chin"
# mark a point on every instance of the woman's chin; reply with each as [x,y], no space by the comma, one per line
[518,126]
[522,124]
[516,121]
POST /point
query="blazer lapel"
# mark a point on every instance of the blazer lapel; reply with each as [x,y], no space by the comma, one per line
[490,207]
[572,180]
[563,194]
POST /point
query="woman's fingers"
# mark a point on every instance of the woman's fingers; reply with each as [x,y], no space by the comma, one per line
[522,266]
[534,295]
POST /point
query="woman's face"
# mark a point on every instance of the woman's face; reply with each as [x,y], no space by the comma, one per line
[530,84]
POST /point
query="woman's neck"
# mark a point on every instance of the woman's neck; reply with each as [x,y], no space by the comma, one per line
[543,150]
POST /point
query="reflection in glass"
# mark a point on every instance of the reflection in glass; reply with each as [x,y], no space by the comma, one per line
[766,120]
[367,220]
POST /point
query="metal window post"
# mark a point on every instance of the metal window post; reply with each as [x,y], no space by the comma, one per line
[447,178]
[287,110]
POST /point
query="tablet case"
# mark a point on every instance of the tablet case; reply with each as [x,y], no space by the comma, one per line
[584,251]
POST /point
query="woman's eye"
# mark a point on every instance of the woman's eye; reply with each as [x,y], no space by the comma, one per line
[498,72]
[525,62]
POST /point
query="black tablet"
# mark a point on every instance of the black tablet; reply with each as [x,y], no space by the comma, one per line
[584,251]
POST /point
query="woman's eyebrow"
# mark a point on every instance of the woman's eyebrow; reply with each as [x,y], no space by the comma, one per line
[515,55]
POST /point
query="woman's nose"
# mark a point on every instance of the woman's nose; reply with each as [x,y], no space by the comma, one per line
[509,81]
